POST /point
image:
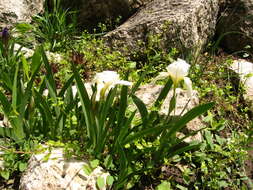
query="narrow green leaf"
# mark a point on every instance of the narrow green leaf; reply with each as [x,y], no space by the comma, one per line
[6,132]
[122,104]
[25,67]
[5,104]
[125,128]
[141,79]
[163,94]
[106,107]
[182,150]
[142,109]
[190,115]
[130,138]
[86,104]
[36,61]
[66,86]
[172,104]
[46,108]
[14,88]
[7,81]
[49,75]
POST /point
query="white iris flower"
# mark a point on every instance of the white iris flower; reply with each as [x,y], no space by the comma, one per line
[178,71]
[107,80]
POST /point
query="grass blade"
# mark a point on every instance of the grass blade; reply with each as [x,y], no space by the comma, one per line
[142,109]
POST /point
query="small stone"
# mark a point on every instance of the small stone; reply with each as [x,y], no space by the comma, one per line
[245,71]
[52,171]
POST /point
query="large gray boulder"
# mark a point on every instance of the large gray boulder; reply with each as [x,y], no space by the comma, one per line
[13,11]
[235,26]
[184,24]
[91,12]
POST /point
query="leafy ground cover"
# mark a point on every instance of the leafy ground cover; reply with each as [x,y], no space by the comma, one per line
[139,153]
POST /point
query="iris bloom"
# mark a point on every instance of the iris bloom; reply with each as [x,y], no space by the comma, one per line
[107,80]
[178,71]
[5,33]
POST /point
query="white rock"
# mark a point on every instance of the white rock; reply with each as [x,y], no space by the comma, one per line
[186,24]
[13,11]
[58,173]
[245,71]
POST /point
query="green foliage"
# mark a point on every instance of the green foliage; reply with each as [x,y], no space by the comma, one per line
[97,56]
[20,88]
[27,110]
[38,109]
[109,129]
[14,160]
[128,143]
[164,186]
[219,162]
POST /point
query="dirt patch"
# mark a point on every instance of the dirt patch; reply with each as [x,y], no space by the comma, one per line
[11,184]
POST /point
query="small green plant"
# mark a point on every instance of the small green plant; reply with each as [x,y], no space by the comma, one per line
[221,162]
[28,111]
[15,106]
[52,27]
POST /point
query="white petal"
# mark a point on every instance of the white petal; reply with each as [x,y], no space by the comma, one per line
[178,69]
[107,80]
[106,77]
[123,82]
[188,85]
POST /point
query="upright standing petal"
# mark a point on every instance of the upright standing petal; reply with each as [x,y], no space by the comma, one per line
[178,70]
[107,80]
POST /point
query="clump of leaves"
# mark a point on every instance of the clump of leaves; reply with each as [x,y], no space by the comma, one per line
[52,27]
[112,134]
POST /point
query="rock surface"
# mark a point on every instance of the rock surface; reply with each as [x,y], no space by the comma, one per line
[184,24]
[57,173]
[236,23]
[149,92]
[13,11]
[245,71]
[91,12]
